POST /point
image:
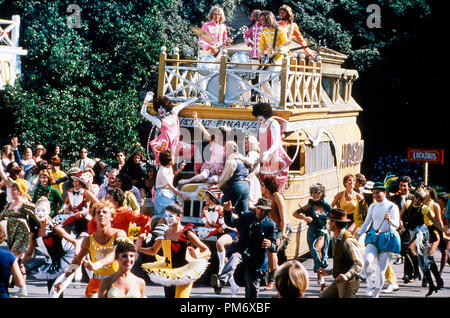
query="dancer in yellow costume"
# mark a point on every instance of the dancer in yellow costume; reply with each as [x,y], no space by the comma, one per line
[181,264]
[100,247]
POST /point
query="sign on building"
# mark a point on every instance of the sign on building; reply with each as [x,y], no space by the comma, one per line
[352,153]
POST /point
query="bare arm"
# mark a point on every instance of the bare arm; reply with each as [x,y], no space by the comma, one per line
[204,250]
[19,280]
[279,200]
[227,173]
[108,259]
[62,233]
[202,128]
[105,285]
[178,193]
[148,250]
[31,248]
[5,177]
[336,200]
[153,119]
[180,107]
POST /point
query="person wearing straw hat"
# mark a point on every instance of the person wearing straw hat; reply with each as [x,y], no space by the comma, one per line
[67,181]
[38,153]
[382,239]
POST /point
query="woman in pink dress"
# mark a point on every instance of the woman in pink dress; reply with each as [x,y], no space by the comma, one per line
[274,159]
[169,138]
[212,169]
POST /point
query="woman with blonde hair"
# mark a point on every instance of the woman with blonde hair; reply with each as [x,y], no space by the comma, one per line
[291,280]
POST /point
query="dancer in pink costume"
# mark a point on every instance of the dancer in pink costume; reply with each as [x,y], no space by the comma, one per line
[212,169]
[274,159]
[168,122]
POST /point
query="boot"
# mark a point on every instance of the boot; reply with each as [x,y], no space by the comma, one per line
[431,287]
[436,274]
[416,271]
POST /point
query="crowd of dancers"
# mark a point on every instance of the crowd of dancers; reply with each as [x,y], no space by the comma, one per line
[96,220]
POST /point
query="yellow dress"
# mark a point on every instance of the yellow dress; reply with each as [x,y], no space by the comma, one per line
[115,292]
[349,206]
[176,268]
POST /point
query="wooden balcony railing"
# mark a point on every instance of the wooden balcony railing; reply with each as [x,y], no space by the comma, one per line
[224,83]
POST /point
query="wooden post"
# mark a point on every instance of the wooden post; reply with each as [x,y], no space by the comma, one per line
[175,80]
[319,84]
[311,84]
[161,72]
[425,177]
[293,63]
[222,78]
[302,68]
[283,81]
[188,75]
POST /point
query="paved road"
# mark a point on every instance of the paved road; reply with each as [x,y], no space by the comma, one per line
[38,289]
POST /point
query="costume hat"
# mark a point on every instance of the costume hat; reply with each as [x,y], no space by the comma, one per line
[264,204]
[379,186]
[339,215]
[215,194]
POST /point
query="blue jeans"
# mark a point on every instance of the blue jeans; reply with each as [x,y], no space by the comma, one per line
[238,193]
[163,198]
[313,234]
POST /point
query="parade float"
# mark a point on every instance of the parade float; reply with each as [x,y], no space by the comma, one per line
[315,109]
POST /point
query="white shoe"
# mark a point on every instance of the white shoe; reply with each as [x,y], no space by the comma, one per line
[234,287]
[234,290]
[21,293]
[391,288]
[369,292]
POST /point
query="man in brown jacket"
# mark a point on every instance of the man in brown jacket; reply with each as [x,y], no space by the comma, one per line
[347,259]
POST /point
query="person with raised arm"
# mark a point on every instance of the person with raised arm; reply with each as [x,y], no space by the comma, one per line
[168,122]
